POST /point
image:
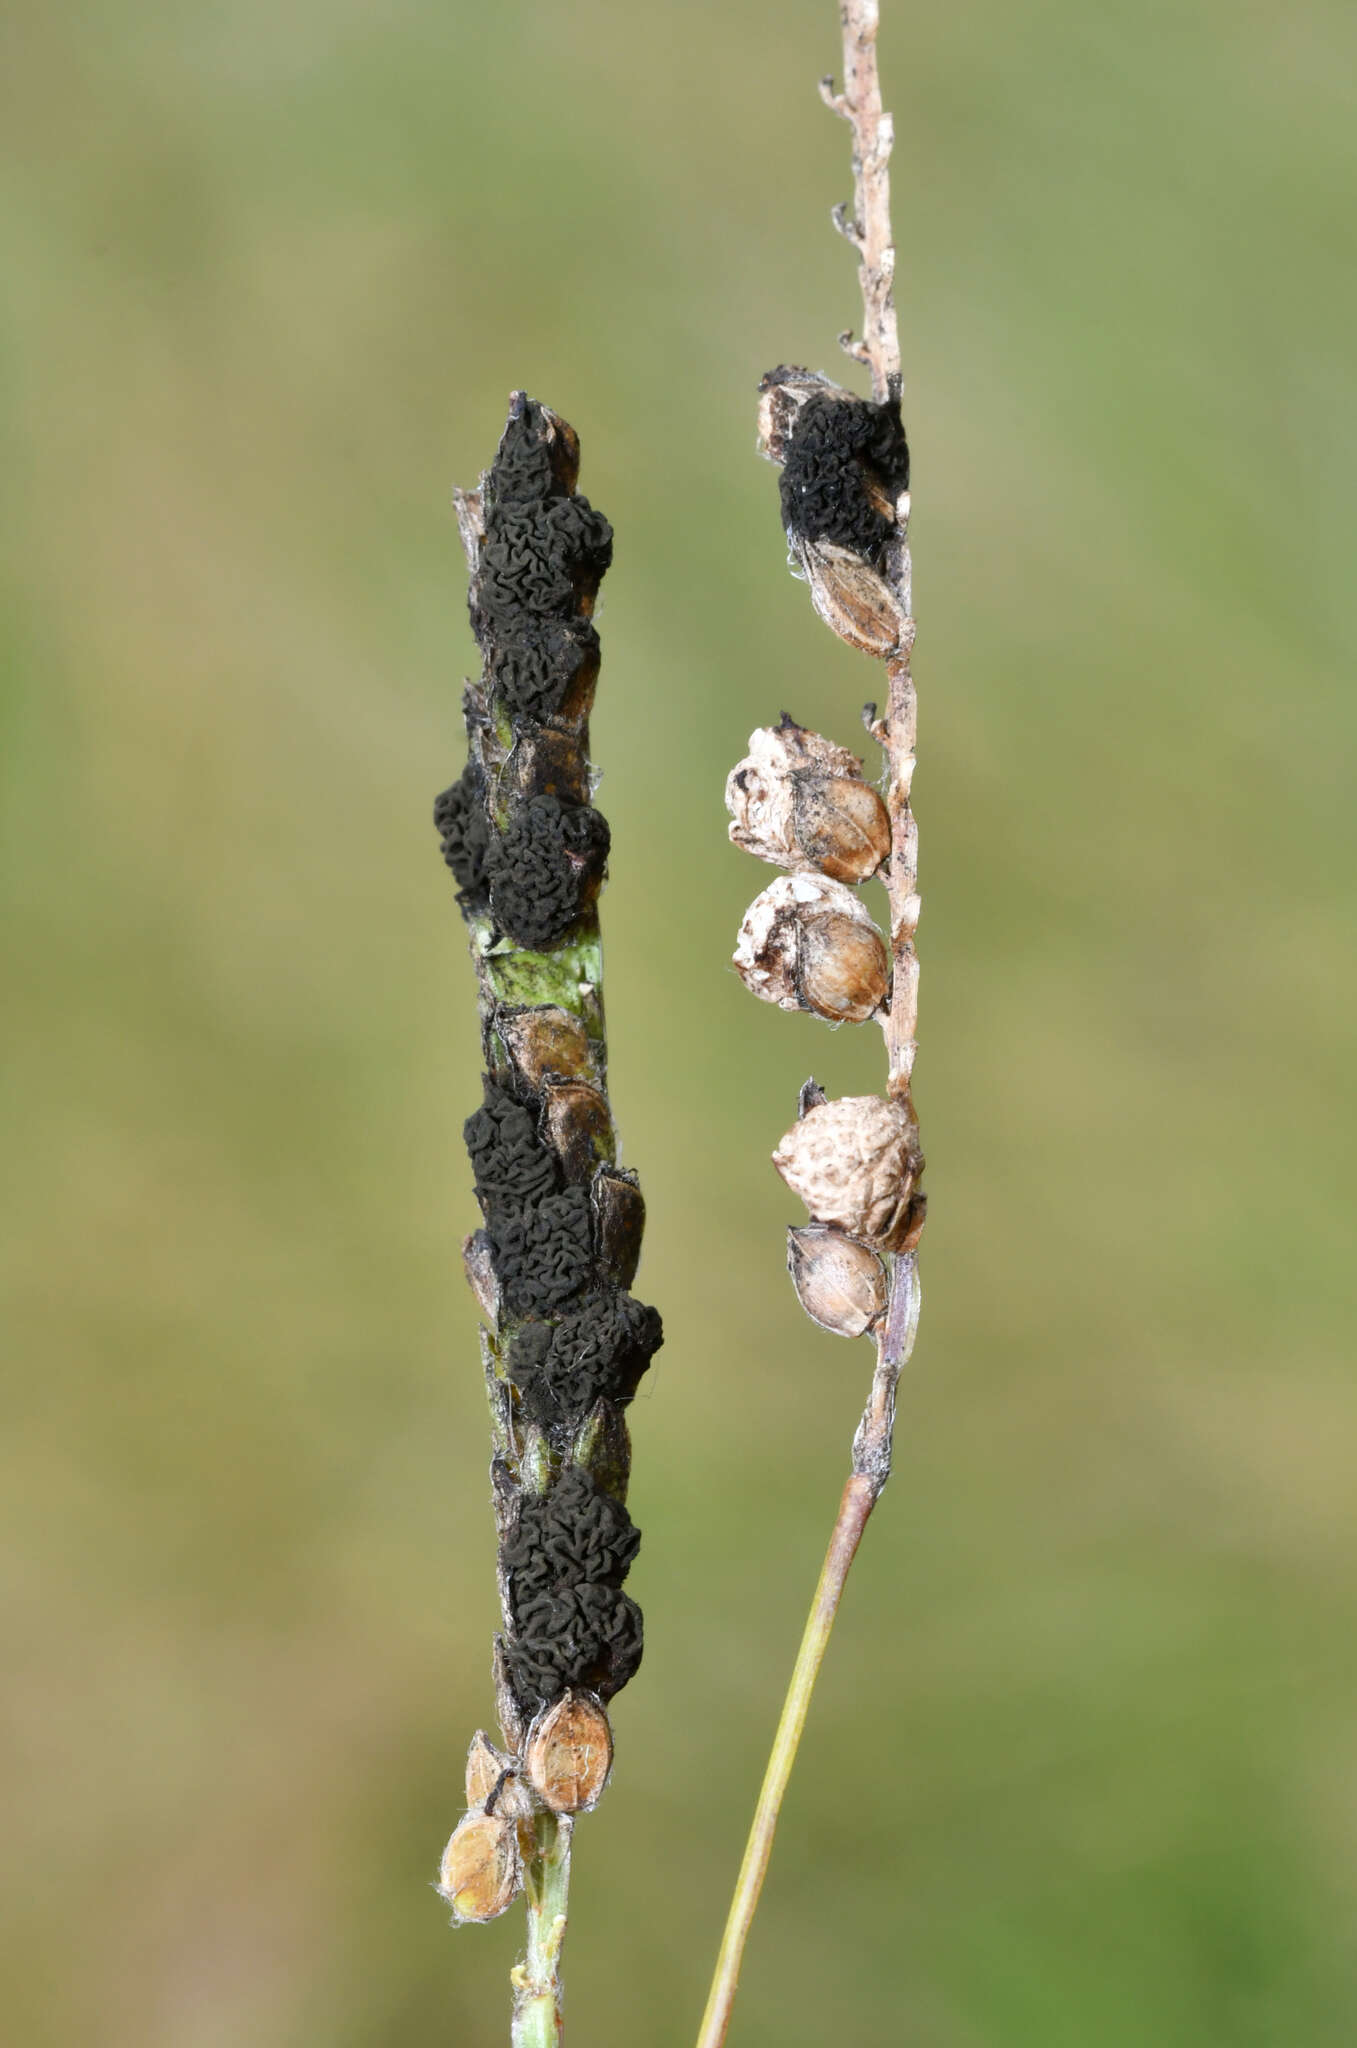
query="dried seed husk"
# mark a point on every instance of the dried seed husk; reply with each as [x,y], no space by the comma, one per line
[569,1753]
[485,1766]
[480,1274]
[544,1042]
[480,1873]
[852,598]
[495,1782]
[578,1127]
[808,943]
[840,1282]
[854,1162]
[619,1221]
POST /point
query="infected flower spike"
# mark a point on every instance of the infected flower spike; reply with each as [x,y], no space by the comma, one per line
[854,1163]
[809,944]
[799,801]
[480,1875]
[840,1283]
[569,1753]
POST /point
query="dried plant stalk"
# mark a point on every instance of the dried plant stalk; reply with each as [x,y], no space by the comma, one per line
[565,1342]
[856,1162]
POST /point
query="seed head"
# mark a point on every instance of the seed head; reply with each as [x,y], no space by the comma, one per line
[809,944]
[854,1163]
[480,1874]
[569,1753]
[800,802]
[841,1283]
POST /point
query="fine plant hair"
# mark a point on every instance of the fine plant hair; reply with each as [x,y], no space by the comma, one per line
[565,1342]
[801,802]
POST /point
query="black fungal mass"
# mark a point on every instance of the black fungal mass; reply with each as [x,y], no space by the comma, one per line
[597,1351]
[524,471]
[838,447]
[544,868]
[564,1565]
[513,1166]
[461,822]
[543,1256]
[536,670]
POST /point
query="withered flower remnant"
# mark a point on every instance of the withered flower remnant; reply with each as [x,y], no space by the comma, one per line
[855,1163]
[808,943]
[799,801]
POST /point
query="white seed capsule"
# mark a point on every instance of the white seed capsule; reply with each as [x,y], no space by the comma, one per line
[809,944]
[799,801]
[480,1874]
[840,1283]
[852,599]
[854,1163]
[569,1753]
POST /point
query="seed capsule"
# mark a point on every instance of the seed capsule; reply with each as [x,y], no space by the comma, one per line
[809,944]
[800,802]
[854,1163]
[480,1875]
[841,1283]
[569,1753]
[852,599]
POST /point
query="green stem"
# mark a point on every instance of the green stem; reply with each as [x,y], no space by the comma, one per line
[538,1996]
[871,1469]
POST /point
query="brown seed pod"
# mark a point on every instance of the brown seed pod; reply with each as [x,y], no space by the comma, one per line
[569,1753]
[809,944]
[840,1282]
[480,1874]
[852,599]
[799,801]
[854,1163]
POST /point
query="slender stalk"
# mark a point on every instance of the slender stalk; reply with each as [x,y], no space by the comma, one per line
[871,1468]
[538,2020]
[868,230]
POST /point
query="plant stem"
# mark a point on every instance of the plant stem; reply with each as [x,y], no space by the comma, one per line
[538,1995]
[868,230]
[871,1468]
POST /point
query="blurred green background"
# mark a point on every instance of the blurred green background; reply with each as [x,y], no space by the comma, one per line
[1084,1764]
